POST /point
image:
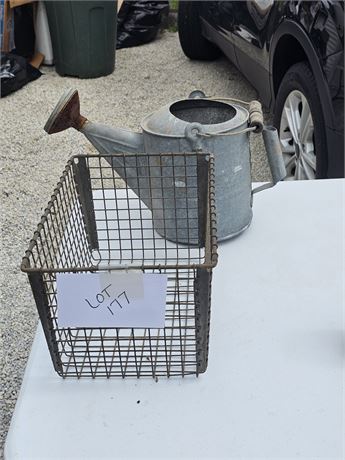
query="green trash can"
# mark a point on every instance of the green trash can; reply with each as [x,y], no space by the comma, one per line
[83,35]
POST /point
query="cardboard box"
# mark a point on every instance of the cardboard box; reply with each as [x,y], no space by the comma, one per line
[14,3]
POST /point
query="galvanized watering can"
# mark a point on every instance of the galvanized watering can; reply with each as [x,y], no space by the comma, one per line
[199,124]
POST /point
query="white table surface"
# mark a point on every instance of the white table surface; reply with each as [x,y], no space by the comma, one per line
[274,385]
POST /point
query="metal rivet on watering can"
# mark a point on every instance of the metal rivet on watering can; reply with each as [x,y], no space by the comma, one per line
[217,125]
[192,133]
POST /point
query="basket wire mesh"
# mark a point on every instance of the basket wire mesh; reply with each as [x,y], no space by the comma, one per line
[148,212]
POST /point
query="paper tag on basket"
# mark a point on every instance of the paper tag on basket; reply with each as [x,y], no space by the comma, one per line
[113,299]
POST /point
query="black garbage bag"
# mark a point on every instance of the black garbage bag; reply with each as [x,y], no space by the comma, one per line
[24,32]
[138,22]
[15,72]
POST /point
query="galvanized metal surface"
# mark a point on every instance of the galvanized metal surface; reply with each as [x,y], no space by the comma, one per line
[201,125]
[275,157]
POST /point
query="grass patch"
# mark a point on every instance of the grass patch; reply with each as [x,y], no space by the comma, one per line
[173,6]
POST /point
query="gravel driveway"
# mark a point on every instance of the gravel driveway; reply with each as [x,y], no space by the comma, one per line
[145,78]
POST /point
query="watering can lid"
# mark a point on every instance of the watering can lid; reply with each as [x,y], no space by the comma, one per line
[214,117]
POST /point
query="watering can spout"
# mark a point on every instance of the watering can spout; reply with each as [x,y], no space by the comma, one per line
[66,114]
[107,140]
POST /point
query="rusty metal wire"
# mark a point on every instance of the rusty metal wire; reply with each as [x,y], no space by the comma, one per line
[151,212]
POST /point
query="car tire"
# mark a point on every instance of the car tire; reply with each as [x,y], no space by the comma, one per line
[193,44]
[302,136]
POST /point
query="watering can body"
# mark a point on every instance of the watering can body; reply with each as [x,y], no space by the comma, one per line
[194,124]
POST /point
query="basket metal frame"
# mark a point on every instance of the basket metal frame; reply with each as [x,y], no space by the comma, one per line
[181,348]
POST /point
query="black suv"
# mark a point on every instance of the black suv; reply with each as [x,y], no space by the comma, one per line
[292,52]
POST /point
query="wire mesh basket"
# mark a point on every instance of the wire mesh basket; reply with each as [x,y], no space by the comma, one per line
[151,213]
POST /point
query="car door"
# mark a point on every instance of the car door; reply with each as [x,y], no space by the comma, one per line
[217,22]
[251,29]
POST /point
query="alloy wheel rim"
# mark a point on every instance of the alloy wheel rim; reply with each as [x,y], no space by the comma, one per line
[296,135]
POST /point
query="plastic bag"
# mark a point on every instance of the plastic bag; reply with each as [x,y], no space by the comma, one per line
[138,22]
[24,33]
[15,72]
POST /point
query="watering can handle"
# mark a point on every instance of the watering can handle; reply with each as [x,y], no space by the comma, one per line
[256,117]
[274,156]
[256,120]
